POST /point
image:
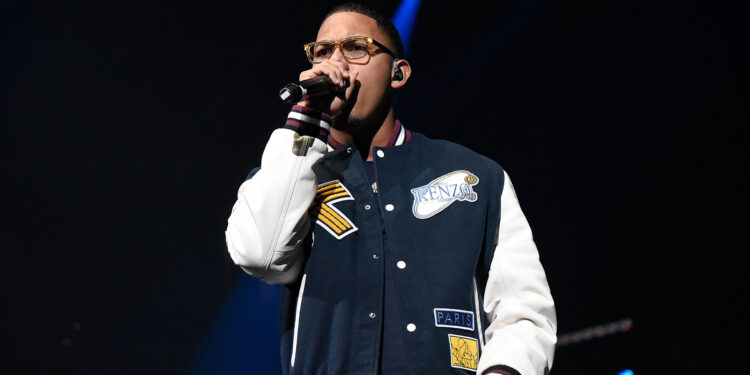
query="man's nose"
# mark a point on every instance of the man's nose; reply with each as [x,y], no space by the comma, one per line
[337,55]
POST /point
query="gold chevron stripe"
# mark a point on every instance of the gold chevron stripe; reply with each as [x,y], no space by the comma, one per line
[334,220]
[330,191]
[328,187]
[334,217]
[329,224]
[326,215]
[334,196]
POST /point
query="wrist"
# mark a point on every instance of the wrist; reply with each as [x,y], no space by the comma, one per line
[501,370]
[308,121]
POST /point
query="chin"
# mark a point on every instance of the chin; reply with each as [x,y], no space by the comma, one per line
[349,124]
[350,121]
[354,123]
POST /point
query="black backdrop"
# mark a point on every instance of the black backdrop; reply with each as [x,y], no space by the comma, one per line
[127,128]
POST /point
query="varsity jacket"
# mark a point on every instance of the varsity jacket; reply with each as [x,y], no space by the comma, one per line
[472,294]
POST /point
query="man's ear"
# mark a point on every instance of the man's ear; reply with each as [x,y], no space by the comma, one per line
[400,73]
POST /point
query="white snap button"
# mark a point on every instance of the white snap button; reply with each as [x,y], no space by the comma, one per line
[375,256]
[380,153]
[401,264]
[372,315]
[389,207]
[367,207]
[348,150]
[411,327]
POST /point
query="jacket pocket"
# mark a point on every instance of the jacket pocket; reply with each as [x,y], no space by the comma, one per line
[296,318]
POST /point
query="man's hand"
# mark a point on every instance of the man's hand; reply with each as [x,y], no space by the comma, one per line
[338,72]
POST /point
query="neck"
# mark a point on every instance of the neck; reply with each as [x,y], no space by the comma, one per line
[370,137]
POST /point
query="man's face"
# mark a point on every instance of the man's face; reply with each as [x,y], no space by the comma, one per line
[374,76]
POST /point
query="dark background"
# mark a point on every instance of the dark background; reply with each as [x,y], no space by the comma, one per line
[127,127]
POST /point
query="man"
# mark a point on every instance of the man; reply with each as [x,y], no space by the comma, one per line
[399,254]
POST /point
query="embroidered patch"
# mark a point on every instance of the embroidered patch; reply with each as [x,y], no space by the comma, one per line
[441,192]
[328,216]
[464,352]
[453,318]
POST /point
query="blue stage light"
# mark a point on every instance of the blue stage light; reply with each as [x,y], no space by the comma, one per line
[404,20]
[244,338]
[626,372]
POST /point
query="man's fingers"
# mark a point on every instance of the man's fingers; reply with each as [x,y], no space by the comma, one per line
[337,71]
[351,87]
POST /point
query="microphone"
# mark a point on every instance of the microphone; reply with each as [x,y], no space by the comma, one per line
[316,86]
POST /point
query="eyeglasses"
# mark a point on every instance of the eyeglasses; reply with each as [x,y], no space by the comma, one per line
[353,48]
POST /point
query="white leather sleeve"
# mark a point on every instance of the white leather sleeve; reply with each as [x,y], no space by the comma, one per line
[522,329]
[269,221]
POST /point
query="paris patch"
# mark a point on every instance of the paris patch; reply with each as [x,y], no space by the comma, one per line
[452,318]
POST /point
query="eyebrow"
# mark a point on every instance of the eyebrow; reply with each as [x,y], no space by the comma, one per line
[378,44]
[347,36]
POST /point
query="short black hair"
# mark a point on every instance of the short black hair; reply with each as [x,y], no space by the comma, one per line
[384,24]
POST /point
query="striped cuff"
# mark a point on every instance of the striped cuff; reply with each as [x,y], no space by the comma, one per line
[501,370]
[306,121]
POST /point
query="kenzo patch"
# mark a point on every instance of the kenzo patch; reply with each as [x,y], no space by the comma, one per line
[431,199]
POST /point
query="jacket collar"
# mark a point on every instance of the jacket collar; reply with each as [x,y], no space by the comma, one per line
[399,136]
